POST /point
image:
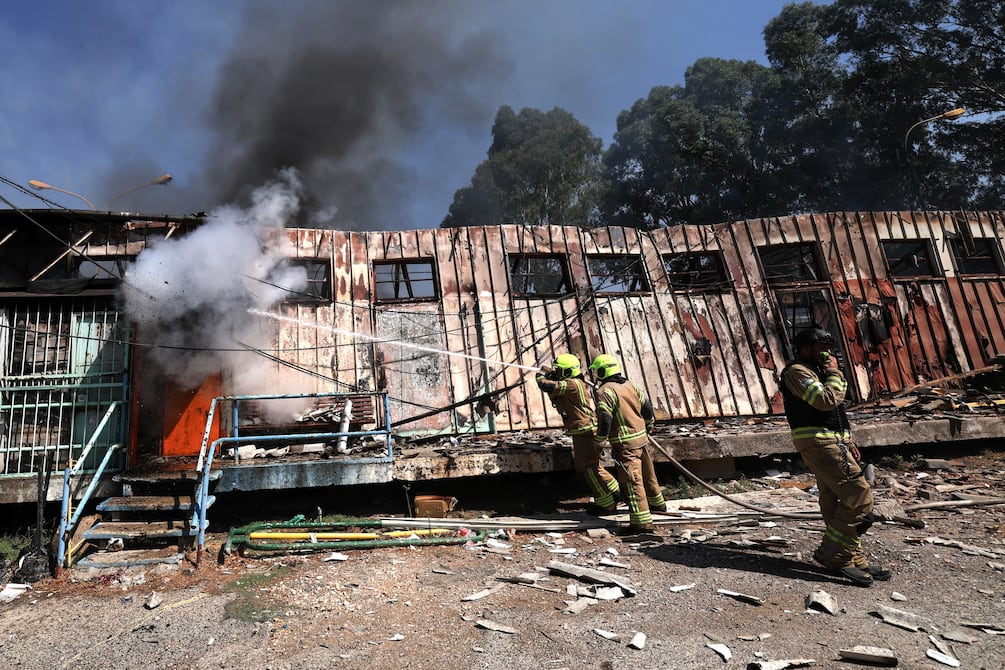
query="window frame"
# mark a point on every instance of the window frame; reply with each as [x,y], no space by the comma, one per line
[994,254]
[409,283]
[719,283]
[634,260]
[932,258]
[307,295]
[819,267]
[519,281]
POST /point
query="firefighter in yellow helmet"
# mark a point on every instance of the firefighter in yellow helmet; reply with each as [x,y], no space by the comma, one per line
[813,390]
[564,384]
[624,416]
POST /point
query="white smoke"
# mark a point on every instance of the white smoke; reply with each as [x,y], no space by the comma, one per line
[189,296]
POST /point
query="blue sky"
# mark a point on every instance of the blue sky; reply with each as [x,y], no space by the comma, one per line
[105,95]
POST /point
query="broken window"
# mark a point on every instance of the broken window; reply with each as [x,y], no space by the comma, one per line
[696,271]
[317,286]
[909,258]
[539,275]
[404,279]
[791,263]
[618,274]
[983,259]
[108,267]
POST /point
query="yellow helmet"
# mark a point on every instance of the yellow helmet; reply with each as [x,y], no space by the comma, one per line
[568,366]
[605,365]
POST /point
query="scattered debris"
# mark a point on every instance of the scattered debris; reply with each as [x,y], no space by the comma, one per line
[484,592]
[945,659]
[578,605]
[397,637]
[611,564]
[753,600]
[940,646]
[718,646]
[781,665]
[898,596]
[598,533]
[11,591]
[336,556]
[958,635]
[443,571]
[638,641]
[153,600]
[591,575]
[902,619]
[822,601]
[607,635]
[989,628]
[493,625]
[682,587]
[873,655]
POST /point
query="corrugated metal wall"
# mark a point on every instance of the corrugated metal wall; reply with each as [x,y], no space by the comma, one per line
[699,353]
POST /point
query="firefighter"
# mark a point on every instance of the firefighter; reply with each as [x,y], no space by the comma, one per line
[624,416]
[813,390]
[564,383]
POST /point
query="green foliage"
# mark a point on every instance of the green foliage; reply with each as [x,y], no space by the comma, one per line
[831,125]
[12,545]
[542,168]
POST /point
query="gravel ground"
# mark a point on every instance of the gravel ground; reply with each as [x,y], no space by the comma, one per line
[404,607]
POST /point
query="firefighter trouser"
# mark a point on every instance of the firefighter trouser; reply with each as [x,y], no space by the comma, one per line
[845,499]
[586,461]
[643,490]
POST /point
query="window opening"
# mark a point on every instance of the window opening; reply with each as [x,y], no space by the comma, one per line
[909,258]
[539,275]
[791,263]
[696,271]
[316,287]
[983,259]
[618,274]
[404,279]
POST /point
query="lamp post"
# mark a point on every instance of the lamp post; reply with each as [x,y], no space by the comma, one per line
[160,181]
[944,116]
[41,185]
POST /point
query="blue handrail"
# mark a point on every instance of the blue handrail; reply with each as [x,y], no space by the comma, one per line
[207,450]
[66,522]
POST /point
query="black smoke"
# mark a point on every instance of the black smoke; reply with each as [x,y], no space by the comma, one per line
[344,91]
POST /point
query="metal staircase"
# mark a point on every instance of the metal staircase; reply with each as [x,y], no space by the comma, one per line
[154,520]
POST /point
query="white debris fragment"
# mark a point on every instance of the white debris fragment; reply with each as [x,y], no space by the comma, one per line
[153,600]
[944,659]
[902,619]
[721,649]
[496,544]
[607,635]
[563,550]
[612,551]
[612,564]
[11,591]
[874,655]
[638,641]
[484,592]
[682,587]
[608,593]
[578,605]
[898,596]
[822,601]
[781,665]
[397,637]
[488,624]
[753,600]
[335,556]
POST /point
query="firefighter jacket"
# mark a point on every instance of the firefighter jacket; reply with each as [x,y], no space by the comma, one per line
[813,400]
[572,400]
[623,410]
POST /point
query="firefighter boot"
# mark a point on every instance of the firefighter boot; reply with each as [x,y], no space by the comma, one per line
[877,572]
[837,554]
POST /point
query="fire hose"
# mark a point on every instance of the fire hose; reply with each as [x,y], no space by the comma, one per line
[725,496]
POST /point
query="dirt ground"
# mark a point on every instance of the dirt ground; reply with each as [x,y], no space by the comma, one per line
[405,607]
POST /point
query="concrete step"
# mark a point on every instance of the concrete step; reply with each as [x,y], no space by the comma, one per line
[140,530]
[179,503]
[122,559]
[166,476]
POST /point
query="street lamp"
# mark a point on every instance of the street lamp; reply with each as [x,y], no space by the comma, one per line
[41,185]
[160,181]
[946,116]
[914,185]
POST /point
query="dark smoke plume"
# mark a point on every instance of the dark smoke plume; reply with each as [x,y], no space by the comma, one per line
[342,92]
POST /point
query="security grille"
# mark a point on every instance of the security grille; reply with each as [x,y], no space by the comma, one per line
[64,363]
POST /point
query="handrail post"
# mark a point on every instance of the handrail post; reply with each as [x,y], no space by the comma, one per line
[64,521]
